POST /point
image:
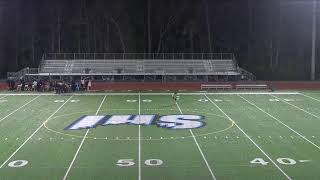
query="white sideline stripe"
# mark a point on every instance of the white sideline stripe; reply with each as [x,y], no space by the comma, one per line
[203,156]
[19,108]
[139,155]
[151,94]
[288,177]
[296,107]
[303,137]
[78,150]
[310,97]
[34,133]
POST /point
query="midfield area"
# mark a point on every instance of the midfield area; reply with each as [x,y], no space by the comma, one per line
[205,136]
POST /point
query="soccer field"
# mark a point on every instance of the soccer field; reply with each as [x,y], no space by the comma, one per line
[202,136]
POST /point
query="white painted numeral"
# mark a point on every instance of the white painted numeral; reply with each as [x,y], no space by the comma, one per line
[147,100]
[125,162]
[259,161]
[132,100]
[274,100]
[130,162]
[286,161]
[58,101]
[203,100]
[153,162]
[288,100]
[75,100]
[18,163]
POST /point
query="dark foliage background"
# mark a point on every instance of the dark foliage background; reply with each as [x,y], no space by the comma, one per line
[271,38]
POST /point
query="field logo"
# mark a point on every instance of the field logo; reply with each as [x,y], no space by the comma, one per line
[169,121]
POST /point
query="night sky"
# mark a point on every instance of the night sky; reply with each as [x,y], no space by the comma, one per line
[271,38]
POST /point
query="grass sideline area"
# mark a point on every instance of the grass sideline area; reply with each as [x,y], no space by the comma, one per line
[242,135]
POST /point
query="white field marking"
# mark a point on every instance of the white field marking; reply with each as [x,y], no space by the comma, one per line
[203,156]
[263,152]
[303,161]
[303,137]
[139,155]
[84,138]
[3,96]
[297,107]
[19,108]
[310,97]
[152,94]
[34,133]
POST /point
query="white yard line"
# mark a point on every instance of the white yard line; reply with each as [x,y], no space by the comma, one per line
[296,107]
[303,137]
[152,94]
[310,97]
[199,148]
[263,152]
[139,155]
[83,139]
[19,108]
[17,150]
[3,96]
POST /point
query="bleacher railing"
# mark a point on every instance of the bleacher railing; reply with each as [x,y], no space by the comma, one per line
[138,56]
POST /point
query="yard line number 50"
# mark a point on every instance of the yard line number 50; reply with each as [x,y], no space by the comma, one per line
[130,162]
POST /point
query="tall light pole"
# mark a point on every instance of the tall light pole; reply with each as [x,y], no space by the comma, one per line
[149,28]
[314,37]
[208,25]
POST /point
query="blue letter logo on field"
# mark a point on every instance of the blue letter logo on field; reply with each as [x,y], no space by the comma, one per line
[169,121]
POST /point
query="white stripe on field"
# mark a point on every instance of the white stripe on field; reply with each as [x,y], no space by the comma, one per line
[297,107]
[3,96]
[303,137]
[139,155]
[310,97]
[19,108]
[263,152]
[78,150]
[34,133]
[203,156]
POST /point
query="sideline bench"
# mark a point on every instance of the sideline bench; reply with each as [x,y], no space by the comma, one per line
[216,86]
[251,86]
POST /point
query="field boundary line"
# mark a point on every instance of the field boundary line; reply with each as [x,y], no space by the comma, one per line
[5,117]
[199,148]
[27,140]
[310,97]
[263,152]
[139,155]
[303,137]
[296,107]
[153,94]
[84,138]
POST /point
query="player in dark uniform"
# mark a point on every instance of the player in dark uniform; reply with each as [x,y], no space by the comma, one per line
[175,96]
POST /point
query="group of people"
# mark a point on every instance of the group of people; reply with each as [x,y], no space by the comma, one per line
[59,86]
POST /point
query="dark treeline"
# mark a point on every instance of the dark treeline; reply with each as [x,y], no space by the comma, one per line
[271,38]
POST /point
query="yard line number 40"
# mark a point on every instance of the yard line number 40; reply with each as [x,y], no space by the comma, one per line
[283,161]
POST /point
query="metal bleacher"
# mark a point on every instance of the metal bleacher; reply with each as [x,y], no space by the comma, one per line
[139,64]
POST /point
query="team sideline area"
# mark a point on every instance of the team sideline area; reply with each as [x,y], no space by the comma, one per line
[149,136]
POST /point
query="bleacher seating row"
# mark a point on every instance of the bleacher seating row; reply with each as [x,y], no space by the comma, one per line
[140,66]
[235,86]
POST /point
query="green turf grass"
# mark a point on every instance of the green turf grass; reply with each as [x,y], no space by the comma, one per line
[265,126]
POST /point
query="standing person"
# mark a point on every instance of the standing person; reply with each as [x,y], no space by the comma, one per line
[89,85]
[175,96]
[82,84]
